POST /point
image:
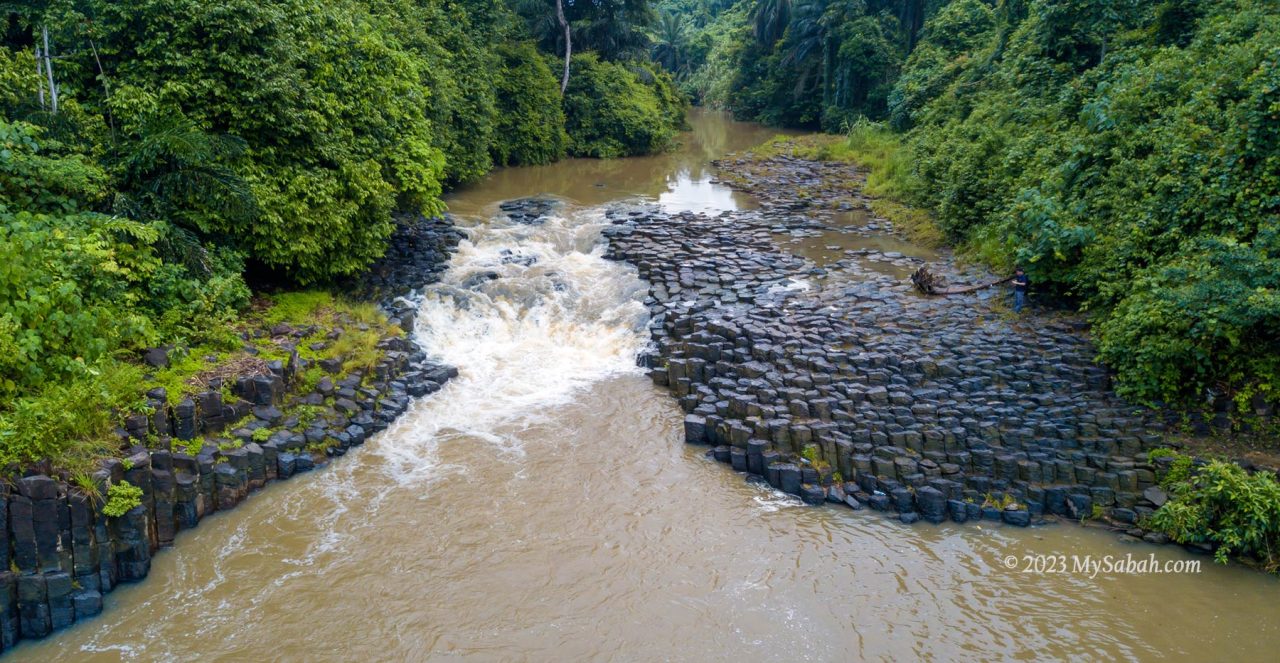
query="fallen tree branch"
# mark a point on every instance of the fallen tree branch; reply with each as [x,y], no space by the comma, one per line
[931,284]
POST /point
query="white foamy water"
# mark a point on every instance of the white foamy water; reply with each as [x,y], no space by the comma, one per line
[530,315]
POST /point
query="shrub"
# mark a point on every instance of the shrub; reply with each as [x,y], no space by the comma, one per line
[1179,472]
[331,109]
[1205,319]
[122,498]
[1227,507]
[77,289]
[612,111]
[530,120]
[36,177]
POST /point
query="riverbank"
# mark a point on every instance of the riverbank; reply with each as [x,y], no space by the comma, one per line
[836,382]
[551,477]
[313,377]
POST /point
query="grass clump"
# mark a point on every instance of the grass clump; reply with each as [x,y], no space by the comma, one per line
[186,364]
[71,422]
[190,447]
[1000,501]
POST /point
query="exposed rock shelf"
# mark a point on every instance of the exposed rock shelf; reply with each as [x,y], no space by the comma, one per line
[853,389]
[60,553]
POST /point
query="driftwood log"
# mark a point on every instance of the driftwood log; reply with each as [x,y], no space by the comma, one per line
[931,284]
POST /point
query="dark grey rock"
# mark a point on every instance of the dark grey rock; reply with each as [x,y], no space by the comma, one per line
[812,494]
[1016,517]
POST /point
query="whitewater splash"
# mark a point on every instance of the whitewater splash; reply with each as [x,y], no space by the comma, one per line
[529,315]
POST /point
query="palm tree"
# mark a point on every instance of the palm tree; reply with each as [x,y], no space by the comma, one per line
[771,18]
[614,29]
[173,169]
[669,42]
[808,34]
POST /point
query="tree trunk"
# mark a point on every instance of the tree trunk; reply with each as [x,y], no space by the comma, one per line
[40,77]
[828,69]
[568,45]
[106,88]
[48,70]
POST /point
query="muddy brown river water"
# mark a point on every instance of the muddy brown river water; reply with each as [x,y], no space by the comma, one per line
[543,507]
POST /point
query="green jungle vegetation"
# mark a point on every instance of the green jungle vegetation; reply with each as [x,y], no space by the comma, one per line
[1125,152]
[1220,505]
[155,152]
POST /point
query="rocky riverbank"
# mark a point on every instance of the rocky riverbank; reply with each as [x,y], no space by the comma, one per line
[256,420]
[839,383]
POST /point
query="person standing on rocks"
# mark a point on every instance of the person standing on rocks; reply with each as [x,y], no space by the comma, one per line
[1020,285]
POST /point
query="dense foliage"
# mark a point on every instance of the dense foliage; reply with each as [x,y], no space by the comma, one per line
[1130,159]
[808,63]
[1126,153]
[164,146]
[530,122]
[612,29]
[614,109]
[1226,507]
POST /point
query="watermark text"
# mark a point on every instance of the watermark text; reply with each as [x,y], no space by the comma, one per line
[1094,565]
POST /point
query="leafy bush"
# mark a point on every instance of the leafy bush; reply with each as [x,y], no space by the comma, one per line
[75,290]
[331,111]
[1207,318]
[42,176]
[1128,160]
[530,122]
[1227,507]
[1179,472]
[122,498]
[613,111]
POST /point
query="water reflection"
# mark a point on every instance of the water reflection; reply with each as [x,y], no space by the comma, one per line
[680,179]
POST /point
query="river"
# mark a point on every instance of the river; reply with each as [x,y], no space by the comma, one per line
[543,507]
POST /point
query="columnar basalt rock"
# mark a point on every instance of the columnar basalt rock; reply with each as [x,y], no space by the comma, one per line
[845,386]
[59,553]
[417,253]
